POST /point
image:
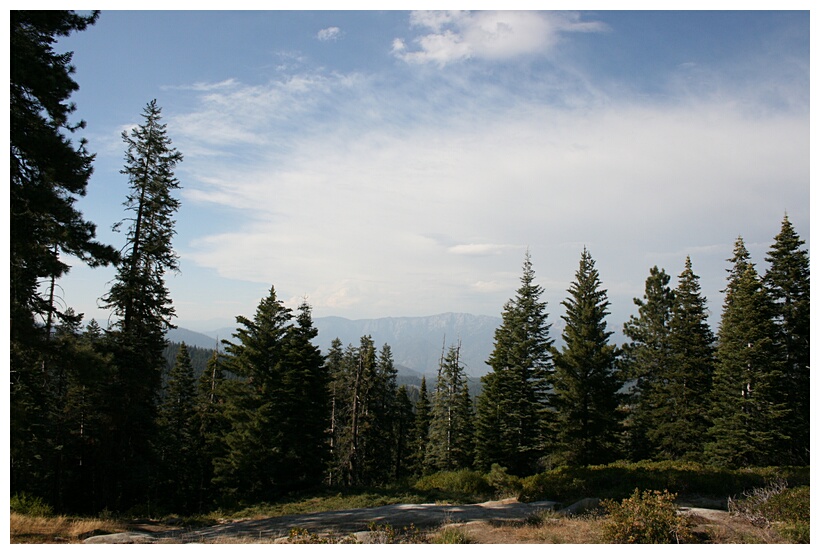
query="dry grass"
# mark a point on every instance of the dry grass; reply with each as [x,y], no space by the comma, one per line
[57,529]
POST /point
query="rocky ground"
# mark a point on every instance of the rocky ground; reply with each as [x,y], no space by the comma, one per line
[488,522]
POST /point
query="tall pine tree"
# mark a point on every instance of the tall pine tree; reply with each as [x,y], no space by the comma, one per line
[402,433]
[179,442]
[680,430]
[212,425]
[141,301]
[748,405]
[48,174]
[450,441]
[646,360]
[788,286]
[585,382]
[278,409]
[511,407]
[421,430]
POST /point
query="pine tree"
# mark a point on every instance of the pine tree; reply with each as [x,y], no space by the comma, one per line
[402,433]
[141,301]
[48,174]
[748,407]
[681,430]
[421,430]
[585,382]
[788,286]
[212,425]
[362,364]
[335,365]
[381,410]
[646,360]
[87,423]
[449,444]
[511,408]
[278,409]
[306,419]
[179,436]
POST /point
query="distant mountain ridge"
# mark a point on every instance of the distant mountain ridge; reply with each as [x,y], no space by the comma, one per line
[416,342]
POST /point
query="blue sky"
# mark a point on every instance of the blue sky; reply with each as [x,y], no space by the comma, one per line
[401,163]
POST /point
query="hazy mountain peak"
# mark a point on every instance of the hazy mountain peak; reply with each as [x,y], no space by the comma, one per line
[416,342]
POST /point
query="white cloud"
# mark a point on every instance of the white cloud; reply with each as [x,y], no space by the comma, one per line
[481,249]
[457,36]
[329,34]
[376,198]
[345,217]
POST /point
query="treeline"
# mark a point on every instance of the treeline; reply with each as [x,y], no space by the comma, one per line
[97,421]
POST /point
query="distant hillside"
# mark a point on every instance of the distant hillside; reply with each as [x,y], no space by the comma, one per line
[191,338]
[416,341]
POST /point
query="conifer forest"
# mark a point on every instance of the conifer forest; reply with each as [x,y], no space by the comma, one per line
[100,420]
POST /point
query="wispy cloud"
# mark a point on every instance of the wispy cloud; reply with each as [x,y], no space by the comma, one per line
[366,194]
[346,215]
[329,34]
[457,36]
[482,249]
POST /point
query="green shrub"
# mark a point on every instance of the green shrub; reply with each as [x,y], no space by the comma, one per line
[25,504]
[788,508]
[463,481]
[789,505]
[619,479]
[648,517]
[796,532]
[504,484]
[561,485]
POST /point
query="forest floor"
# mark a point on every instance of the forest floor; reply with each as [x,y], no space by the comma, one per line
[495,522]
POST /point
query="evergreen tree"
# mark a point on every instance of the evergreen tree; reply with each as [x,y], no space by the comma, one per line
[336,369]
[307,409]
[278,409]
[787,284]
[382,413]
[212,425]
[421,430]
[402,433]
[646,360]
[748,408]
[141,301]
[585,381]
[449,444]
[86,422]
[511,407]
[362,368]
[464,429]
[366,414]
[680,430]
[179,437]
[48,173]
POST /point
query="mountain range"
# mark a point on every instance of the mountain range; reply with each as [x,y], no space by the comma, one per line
[416,342]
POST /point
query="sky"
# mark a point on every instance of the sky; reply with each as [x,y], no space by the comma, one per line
[401,163]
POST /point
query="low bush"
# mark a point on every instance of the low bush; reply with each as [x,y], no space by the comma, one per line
[461,482]
[648,517]
[504,484]
[618,480]
[787,509]
[25,504]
